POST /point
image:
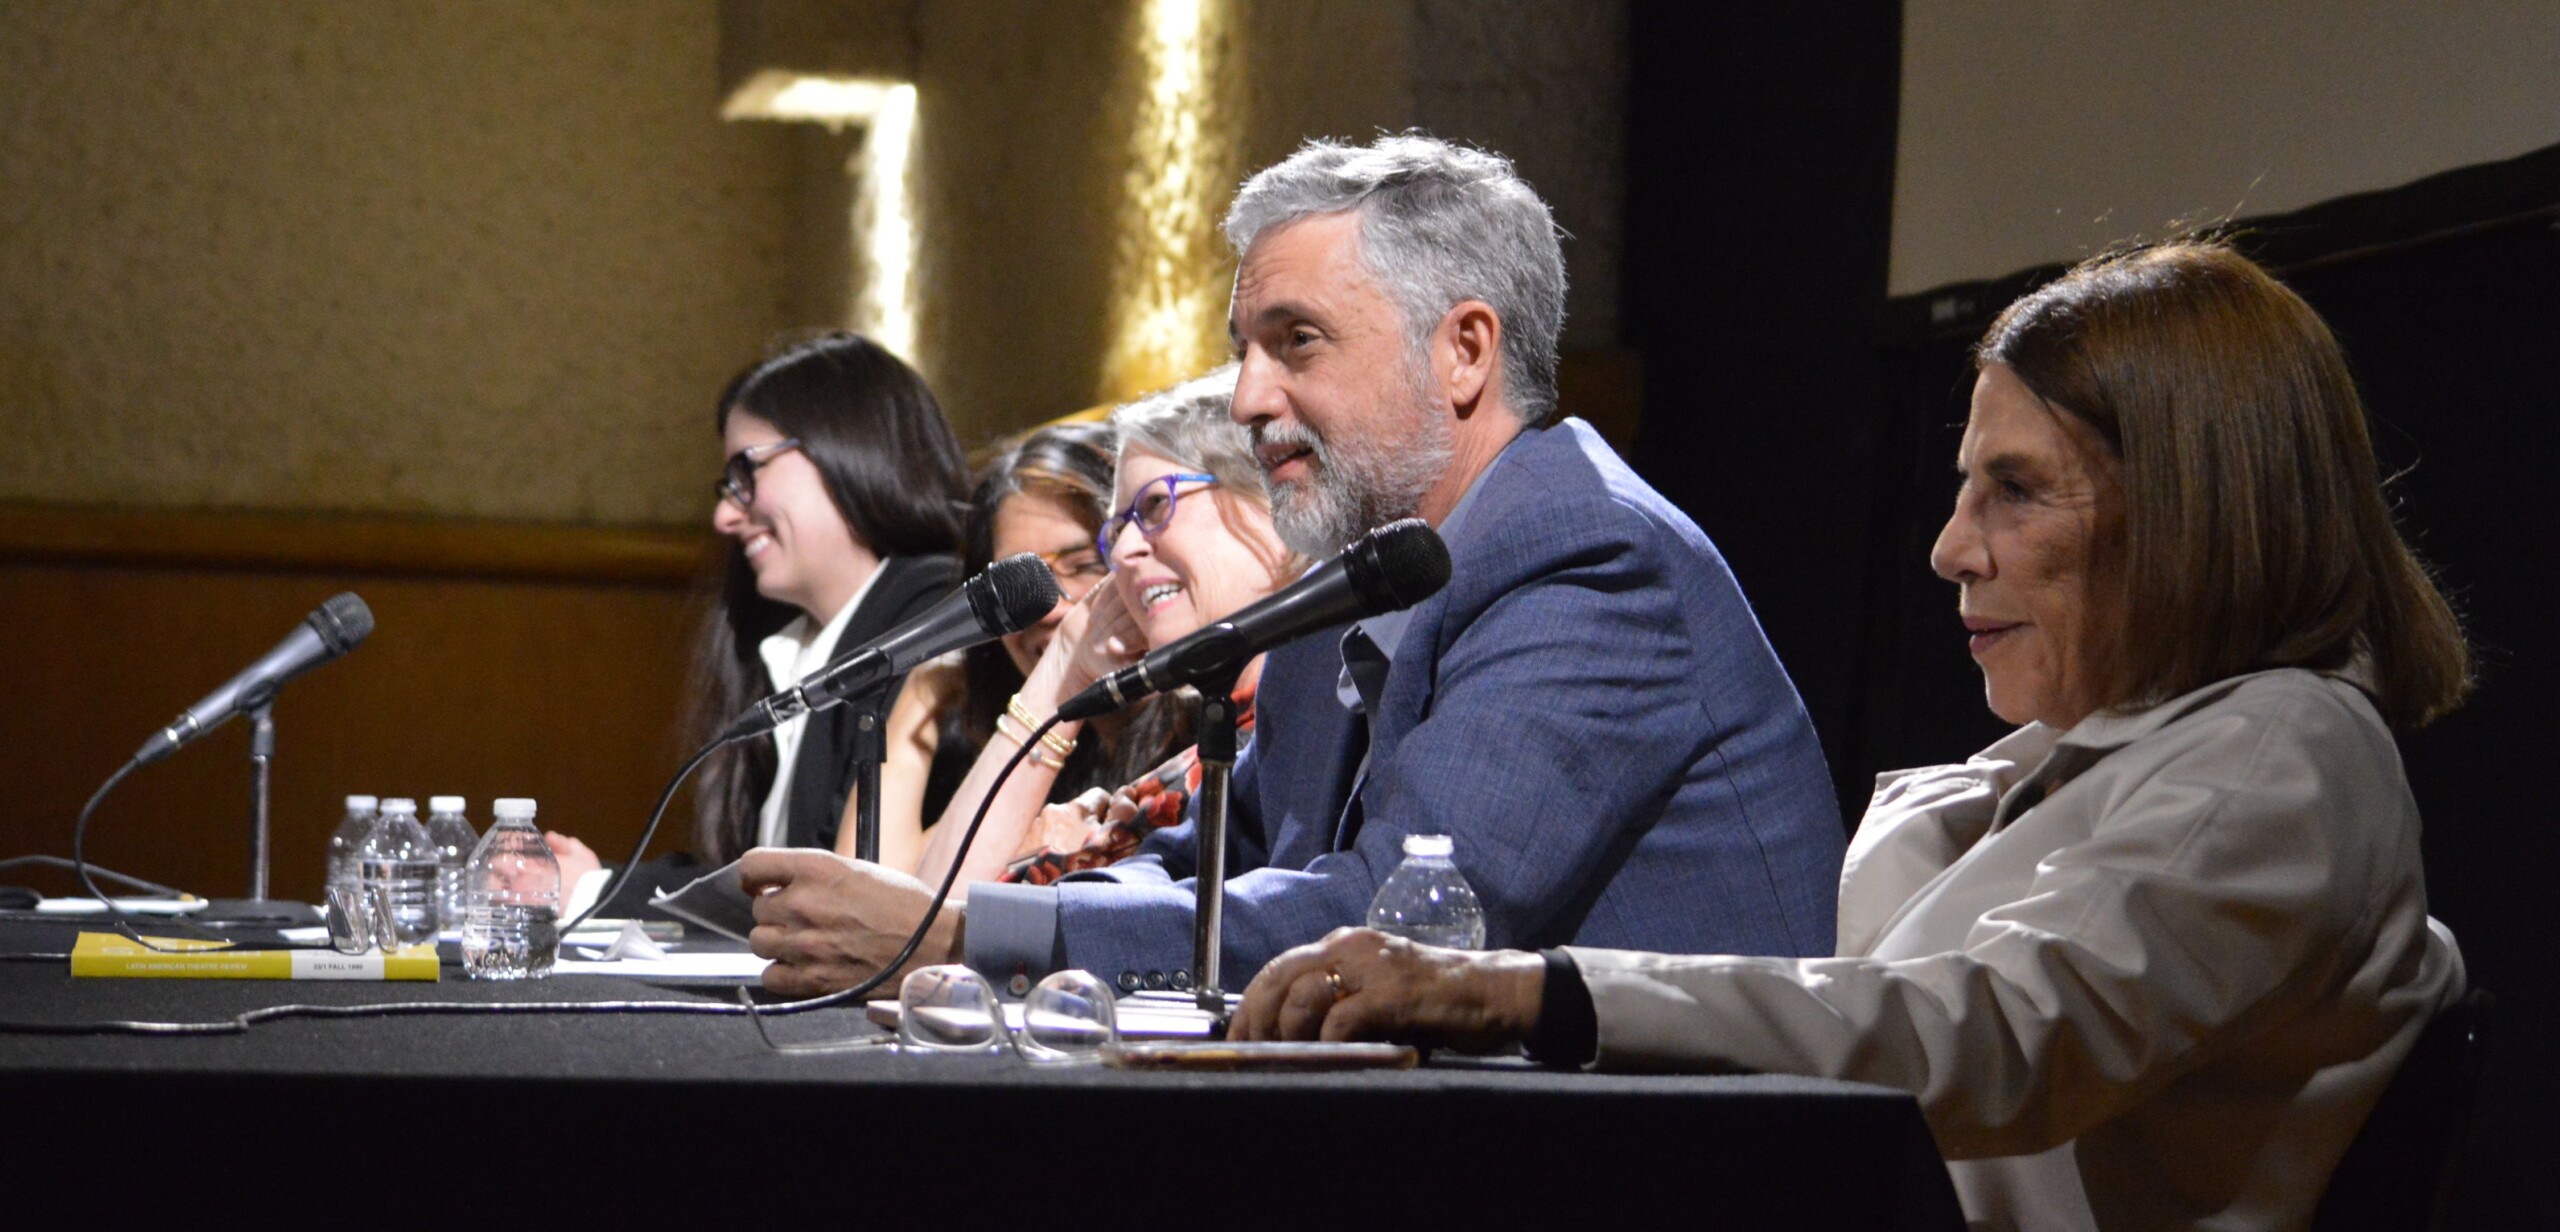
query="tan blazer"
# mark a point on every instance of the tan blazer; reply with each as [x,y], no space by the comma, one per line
[2151,972]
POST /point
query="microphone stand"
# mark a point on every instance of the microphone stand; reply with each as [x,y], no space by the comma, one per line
[258,909]
[870,749]
[1217,733]
[262,752]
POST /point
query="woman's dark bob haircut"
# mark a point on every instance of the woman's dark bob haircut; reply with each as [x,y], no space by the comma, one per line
[2255,530]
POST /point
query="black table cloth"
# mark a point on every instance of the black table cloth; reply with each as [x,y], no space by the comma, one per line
[564,1116]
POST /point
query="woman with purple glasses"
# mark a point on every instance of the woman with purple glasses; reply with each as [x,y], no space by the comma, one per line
[1191,542]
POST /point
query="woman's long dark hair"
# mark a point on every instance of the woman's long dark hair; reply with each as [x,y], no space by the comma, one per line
[893,470]
[1071,465]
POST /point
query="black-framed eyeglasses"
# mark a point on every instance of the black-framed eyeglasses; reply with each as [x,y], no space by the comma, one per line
[1151,510]
[738,478]
[1075,565]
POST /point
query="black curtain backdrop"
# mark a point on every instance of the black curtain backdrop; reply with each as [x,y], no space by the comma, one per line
[1810,424]
[1759,211]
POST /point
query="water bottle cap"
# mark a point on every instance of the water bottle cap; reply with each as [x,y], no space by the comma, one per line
[1429,844]
[510,808]
[444,804]
[400,804]
[367,803]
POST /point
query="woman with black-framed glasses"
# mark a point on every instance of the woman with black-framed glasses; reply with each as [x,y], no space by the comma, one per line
[840,495]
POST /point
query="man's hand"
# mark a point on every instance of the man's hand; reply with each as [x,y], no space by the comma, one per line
[829,922]
[1359,984]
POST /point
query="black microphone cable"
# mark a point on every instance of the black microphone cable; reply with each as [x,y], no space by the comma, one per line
[648,834]
[31,915]
[123,922]
[1015,594]
[951,876]
[241,1023]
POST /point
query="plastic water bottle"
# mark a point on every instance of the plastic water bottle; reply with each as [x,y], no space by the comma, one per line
[1425,899]
[348,840]
[398,868]
[511,926]
[454,841]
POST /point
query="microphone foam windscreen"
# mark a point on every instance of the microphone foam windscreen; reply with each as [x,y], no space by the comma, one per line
[1022,589]
[1398,565]
[342,622]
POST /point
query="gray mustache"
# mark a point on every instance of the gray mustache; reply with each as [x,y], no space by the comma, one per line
[1287,436]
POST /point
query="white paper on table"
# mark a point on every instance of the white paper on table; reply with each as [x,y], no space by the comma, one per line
[631,942]
[677,966]
[713,900]
[129,906]
[1136,1022]
[1146,1022]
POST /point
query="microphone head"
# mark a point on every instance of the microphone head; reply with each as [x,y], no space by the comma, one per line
[342,622]
[1013,594]
[1397,565]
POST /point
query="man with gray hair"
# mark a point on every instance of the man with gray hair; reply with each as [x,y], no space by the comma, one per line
[1588,708]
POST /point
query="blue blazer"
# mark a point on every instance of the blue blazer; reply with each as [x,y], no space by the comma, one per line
[1588,708]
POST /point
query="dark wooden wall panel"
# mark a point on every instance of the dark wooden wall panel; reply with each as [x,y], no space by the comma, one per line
[566,691]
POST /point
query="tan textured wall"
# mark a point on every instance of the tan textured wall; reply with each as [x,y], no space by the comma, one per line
[471,258]
[488,259]
[1025,155]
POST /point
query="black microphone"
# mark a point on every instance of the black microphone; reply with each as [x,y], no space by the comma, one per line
[336,628]
[1011,595]
[1389,569]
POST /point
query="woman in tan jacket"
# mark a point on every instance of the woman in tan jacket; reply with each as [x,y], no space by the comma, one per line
[2148,961]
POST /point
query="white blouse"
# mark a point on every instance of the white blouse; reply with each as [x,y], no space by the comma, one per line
[791,656]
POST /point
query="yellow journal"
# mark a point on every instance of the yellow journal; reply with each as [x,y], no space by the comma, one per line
[109,954]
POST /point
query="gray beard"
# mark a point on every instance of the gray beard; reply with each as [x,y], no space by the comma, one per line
[1355,487]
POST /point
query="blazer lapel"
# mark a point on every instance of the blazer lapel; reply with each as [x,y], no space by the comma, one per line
[822,774]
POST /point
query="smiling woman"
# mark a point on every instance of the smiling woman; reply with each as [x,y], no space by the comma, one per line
[1191,542]
[1046,494]
[852,481]
[840,489]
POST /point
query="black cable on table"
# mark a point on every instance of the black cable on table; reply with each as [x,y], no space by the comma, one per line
[53,861]
[240,1024]
[647,834]
[950,877]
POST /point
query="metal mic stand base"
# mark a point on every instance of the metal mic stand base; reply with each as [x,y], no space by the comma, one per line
[1217,763]
[870,716]
[259,912]
[258,908]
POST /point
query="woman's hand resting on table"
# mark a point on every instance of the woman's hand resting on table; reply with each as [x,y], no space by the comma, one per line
[576,861]
[1361,984]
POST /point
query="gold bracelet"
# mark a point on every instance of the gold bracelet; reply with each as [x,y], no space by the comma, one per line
[1063,746]
[1007,732]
